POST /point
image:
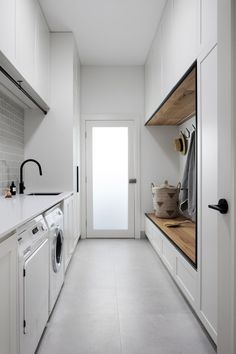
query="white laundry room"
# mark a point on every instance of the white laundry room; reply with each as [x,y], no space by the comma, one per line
[117,177]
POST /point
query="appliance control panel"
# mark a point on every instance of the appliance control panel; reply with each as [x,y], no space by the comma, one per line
[33,234]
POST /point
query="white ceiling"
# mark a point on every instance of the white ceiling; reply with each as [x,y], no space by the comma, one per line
[107,32]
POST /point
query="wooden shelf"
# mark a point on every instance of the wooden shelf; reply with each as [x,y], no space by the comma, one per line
[180,104]
[182,236]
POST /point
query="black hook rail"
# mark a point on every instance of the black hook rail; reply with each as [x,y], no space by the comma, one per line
[18,85]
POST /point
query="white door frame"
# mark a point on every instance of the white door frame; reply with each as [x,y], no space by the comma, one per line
[227,161]
[91,232]
[111,117]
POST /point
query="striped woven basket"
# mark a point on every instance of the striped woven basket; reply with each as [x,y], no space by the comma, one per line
[166,200]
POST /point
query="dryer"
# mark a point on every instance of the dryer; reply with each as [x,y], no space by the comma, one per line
[54,220]
[33,283]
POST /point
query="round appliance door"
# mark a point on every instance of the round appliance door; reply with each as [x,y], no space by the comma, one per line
[57,250]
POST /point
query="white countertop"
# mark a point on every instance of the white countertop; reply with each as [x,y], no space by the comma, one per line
[19,209]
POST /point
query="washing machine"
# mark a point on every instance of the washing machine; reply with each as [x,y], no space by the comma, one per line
[54,220]
[33,283]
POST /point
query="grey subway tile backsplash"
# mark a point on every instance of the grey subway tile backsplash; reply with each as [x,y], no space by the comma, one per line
[11,141]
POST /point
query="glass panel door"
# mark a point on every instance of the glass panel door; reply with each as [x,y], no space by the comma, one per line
[110,197]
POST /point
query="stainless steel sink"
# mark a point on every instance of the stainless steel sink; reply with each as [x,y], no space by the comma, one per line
[47,193]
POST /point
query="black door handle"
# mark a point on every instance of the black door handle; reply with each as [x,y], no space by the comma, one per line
[222,206]
[132,180]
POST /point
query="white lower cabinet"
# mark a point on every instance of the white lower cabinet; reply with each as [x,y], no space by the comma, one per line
[168,256]
[8,296]
[182,272]
[198,286]
[154,236]
[186,278]
[70,227]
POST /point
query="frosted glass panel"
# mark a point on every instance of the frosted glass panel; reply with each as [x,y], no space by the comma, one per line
[110,178]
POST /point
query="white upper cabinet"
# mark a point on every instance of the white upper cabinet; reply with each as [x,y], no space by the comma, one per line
[185,35]
[153,77]
[26,15]
[7,28]
[208,28]
[25,42]
[174,49]
[168,48]
[42,56]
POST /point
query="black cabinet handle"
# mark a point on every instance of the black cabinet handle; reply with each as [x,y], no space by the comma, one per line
[77,179]
[222,206]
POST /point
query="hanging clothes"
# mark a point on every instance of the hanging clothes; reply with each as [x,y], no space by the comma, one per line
[188,194]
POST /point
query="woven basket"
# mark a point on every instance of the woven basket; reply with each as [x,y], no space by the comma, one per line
[166,200]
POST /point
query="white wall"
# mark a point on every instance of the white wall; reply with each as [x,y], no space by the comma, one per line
[159,161]
[49,139]
[182,158]
[120,91]
[114,90]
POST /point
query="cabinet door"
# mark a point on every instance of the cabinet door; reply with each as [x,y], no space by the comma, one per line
[69,228]
[7,28]
[153,77]
[42,56]
[25,38]
[169,71]
[75,219]
[168,255]
[209,190]
[8,295]
[72,223]
[185,34]
[208,13]
[36,288]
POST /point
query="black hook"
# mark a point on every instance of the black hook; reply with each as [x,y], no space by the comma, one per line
[188,131]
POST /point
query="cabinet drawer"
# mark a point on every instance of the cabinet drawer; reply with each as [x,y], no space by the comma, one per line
[157,240]
[148,228]
[186,278]
[168,255]
[154,235]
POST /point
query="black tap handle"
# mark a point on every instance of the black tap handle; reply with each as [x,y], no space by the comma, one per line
[21,187]
[222,206]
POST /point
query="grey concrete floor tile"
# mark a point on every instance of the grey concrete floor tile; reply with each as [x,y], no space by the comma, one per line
[140,278]
[90,277]
[181,332]
[150,301]
[84,334]
[163,334]
[138,335]
[93,301]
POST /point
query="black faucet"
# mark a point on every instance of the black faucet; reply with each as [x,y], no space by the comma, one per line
[21,184]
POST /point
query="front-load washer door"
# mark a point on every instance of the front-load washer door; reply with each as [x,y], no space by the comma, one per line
[57,250]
